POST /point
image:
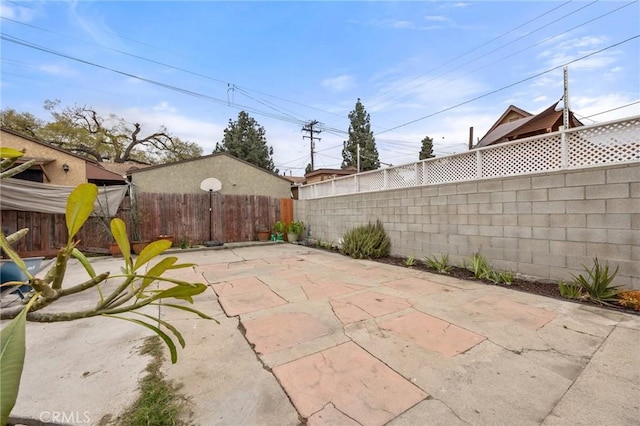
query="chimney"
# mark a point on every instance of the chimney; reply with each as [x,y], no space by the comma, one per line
[471,137]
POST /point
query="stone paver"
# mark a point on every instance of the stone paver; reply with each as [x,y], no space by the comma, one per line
[433,333]
[276,332]
[502,309]
[356,383]
[251,301]
[377,304]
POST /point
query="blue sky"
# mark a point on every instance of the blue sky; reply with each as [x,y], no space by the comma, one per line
[291,62]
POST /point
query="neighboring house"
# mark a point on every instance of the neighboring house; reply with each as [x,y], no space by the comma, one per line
[296,182]
[516,123]
[56,166]
[238,177]
[321,175]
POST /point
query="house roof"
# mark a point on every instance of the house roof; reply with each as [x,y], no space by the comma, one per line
[47,144]
[510,109]
[341,172]
[215,154]
[296,180]
[95,172]
[544,122]
[122,168]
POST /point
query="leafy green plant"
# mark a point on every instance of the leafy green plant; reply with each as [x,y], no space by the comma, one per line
[598,282]
[296,228]
[440,265]
[479,266]
[133,292]
[569,291]
[366,242]
[279,227]
[499,277]
[409,261]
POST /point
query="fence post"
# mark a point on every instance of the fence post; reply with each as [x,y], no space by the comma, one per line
[563,148]
[478,164]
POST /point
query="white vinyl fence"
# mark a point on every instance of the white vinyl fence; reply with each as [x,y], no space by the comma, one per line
[613,142]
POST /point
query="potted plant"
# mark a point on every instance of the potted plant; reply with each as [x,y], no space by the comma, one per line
[294,230]
[263,231]
[279,228]
[136,218]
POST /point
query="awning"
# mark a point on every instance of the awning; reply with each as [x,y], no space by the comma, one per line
[17,194]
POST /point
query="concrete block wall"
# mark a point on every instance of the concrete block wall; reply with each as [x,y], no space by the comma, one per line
[545,226]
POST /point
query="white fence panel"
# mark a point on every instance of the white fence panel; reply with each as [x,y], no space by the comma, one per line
[607,143]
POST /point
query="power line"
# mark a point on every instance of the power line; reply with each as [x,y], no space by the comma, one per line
[488,42]
[509,85]
[612,109]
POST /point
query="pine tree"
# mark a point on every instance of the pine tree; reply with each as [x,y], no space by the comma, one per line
[308,169]
[427,148]
[360,134]
[246,139]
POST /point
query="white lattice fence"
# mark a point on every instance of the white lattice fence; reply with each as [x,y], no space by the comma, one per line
[607,143]
[537,156]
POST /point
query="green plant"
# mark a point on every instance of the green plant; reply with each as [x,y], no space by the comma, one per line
[366,242]
[409,261]
[159,402]
[569,291]
[261,227]
[497,277]
[440,265]
[279,227]
[133,292]
[184,243]
[296,228]
[479,266]
[597,283]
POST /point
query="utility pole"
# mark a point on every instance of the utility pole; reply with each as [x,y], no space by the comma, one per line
[309,129]
[358,157]
[565,98]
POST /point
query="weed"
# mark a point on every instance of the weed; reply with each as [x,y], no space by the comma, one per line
[479,266]
[569,291]
[597,284]
[440,265]
[409,261]
[630,299]
[366,242]
[159,402]
[499,277]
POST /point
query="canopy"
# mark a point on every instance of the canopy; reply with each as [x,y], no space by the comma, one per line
[18,194]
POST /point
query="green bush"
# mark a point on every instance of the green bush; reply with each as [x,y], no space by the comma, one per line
[479,267]
[366,242]
[440,265]
[597,284]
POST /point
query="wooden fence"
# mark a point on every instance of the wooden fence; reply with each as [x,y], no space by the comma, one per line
[189,218]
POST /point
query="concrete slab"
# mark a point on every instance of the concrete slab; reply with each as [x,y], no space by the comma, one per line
[251,301]
[377,304]
[330,416]
[356,383]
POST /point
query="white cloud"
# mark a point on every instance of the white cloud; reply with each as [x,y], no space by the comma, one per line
[340,83]
[58,70]
[589,105]
[436,18]
[18,12]
[163,106]
[540,99]
[401,24]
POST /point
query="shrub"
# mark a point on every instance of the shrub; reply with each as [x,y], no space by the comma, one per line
[440,265]
[569,291]
[366,242]
[597,284]
[409,261]
[630,299]
[479,267]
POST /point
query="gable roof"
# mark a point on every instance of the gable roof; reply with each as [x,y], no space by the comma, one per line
[547,121]
[215,154]
[46,144]
[510,109]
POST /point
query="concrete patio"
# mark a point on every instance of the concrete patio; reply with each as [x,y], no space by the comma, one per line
[312,336]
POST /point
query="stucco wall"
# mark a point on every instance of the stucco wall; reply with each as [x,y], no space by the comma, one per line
[77,173]
[237,178]
[545,226]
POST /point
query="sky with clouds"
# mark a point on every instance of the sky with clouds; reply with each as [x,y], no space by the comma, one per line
[431,68]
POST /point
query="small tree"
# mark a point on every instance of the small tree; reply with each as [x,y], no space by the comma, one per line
[308,169]
[427,148]
[246,139]
[360,134]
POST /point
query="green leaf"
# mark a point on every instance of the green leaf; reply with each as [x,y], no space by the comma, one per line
[119,231]
[162,334]
[157,271]
[181,291]
[168,325]
[13,255]
[150,251]
[80,207]
[84,261]
[10,152]
[12,351]
[186,308]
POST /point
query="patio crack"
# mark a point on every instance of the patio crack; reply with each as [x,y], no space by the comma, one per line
[450,409]
[581,332]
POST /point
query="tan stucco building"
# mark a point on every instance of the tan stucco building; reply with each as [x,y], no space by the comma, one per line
[238,177]
[57,166]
